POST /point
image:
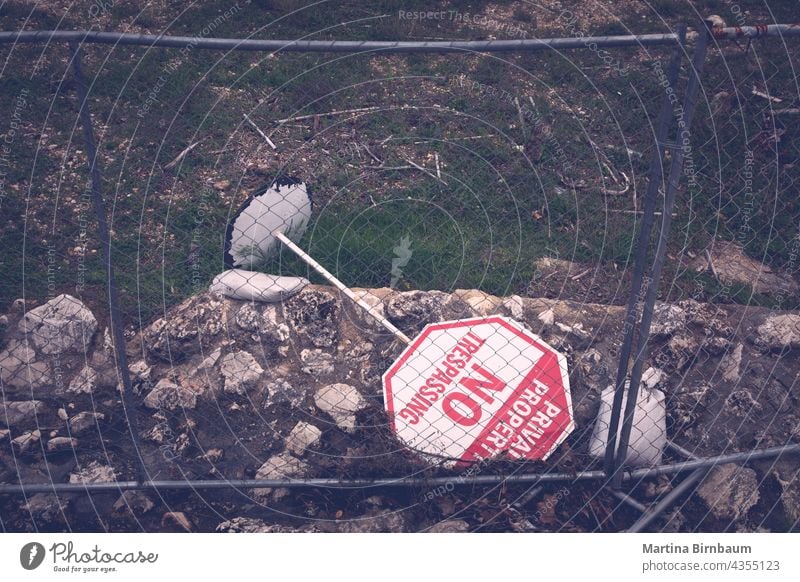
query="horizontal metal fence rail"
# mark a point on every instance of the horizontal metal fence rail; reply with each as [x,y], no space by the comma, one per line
[455,480]
[733,32]
[334,46]
[353,46]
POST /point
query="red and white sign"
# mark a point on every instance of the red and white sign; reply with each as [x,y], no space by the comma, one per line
[475,388]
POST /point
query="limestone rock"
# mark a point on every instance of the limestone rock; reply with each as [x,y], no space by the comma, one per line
[168,395]
[341,402]
[210,360]
[449,526]
[730,491]
[683,348]
[188,327]
[667,320]
[515,307]
[733,267]
[251,525]
[19,368]
[26,442]
[716,346]
[177,521]
[779,332]
[135,502]
[316,362]
[140,370]
[17,352]
[550,265]
[264,326]
[241,372]
[788,476]
[46,507]
[272,328]
[381,521]
[282,466]
[689,402]
[481,303]
[213,455]
[34,376]
[414,309]
[575,330]
[303,436]
[248,318]
[376,305]
[13,414]
[547,317]
[731,364]
[282,391]
[84,421]
[59,444]
[161,433]
[94,472]
[61,325]
[313,315]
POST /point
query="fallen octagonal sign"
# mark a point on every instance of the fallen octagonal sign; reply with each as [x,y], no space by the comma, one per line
[473,389]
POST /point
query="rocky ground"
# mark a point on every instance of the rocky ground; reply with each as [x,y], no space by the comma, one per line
[226,389]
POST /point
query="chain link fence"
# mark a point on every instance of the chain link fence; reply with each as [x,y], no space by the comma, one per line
[745,217]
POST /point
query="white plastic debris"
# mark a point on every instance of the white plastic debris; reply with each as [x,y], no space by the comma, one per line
[651,377]
[284,206]
[649,431]
[253,286]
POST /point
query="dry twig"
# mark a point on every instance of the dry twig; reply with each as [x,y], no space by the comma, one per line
[767,96]
[711,264]
[181,155]
[327,114]
[258,129]
[421,169]
[373,156]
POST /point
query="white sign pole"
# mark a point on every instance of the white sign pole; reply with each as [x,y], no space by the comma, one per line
[341,287]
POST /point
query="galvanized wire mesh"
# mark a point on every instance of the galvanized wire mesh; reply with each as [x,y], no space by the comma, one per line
[465,171]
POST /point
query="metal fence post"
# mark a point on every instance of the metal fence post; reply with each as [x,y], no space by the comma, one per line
[673,180]
[655,176]
[121,356]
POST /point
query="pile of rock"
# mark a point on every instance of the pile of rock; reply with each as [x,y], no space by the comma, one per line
[236,390]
